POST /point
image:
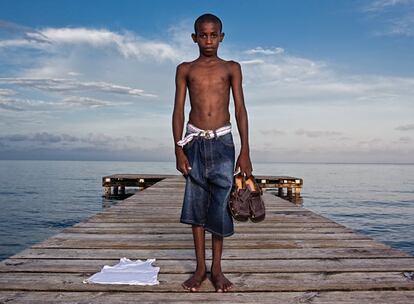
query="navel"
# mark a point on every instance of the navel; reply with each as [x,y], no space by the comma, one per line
[209,113]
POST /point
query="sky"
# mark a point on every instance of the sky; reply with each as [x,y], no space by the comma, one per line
[324,81]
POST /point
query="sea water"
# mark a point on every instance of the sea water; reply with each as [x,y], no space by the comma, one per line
[40,198]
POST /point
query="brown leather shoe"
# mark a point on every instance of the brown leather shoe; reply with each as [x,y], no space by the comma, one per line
[240,199]
[256,206]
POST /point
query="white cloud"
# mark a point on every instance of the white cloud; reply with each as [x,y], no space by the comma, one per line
[380,5]
[46,138]
[7,92]
[252,62]
[67,85]
[407,127]
[9,106]
[405,139]
[127,44]
[273,132]
[13,103]
[291,79]
[317,133]
[16,104]
[403,26]
[89,102]
[262,51]
[26,32]
[397,16]
[73,74]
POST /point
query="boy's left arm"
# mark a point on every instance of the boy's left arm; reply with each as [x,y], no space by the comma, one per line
[243,161]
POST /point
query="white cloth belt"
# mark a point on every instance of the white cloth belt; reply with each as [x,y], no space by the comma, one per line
[194,131]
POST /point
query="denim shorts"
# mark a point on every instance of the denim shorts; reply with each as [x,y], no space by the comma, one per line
[209,184]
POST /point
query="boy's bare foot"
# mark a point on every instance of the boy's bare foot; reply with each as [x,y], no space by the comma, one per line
[220,282]
[195,281]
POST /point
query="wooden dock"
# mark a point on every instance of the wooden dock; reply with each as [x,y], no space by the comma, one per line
[287,187]
[294,256]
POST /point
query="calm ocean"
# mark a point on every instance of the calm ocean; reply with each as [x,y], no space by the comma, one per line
[40,198]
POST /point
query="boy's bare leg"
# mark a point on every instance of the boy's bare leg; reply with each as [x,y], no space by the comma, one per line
[220,282]
[194,282]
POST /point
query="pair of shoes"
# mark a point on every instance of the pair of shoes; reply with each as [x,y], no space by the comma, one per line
[246,200]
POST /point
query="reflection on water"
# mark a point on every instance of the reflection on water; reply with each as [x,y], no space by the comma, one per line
[40,198]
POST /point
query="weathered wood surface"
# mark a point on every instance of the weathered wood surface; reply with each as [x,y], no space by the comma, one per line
[294,256]
[281,297]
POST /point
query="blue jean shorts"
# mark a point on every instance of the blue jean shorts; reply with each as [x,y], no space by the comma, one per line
[209,184]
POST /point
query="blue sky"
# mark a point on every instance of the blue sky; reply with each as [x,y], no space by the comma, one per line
[324,81]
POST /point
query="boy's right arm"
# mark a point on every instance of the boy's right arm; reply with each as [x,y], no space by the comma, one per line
[178,117]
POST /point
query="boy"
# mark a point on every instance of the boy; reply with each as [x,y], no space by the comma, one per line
[206,154]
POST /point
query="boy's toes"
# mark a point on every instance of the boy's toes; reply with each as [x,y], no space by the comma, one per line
[185,286]
[221,283]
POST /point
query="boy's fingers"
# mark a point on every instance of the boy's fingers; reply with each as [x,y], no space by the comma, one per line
[183,170]
[237,170]
[187,164]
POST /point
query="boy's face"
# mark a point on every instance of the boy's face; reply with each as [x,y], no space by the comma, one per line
[208,37]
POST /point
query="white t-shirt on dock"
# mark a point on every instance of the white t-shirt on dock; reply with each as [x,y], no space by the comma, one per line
[127,272]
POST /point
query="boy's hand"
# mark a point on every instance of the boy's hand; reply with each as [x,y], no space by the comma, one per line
[182,163]
[244,163]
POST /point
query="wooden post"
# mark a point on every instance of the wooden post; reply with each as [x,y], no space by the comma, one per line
[280,191]
[115,190]
[107,191]
[122,190]
[289,190]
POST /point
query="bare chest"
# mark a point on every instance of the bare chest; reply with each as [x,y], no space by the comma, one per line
[208,77]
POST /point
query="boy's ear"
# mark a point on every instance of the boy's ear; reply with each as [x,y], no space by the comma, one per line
[194,36]
[221,37]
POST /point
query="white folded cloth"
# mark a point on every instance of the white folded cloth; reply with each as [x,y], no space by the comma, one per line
[127,272]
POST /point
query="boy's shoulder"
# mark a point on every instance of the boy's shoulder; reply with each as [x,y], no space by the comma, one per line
[185,65]
[234,64]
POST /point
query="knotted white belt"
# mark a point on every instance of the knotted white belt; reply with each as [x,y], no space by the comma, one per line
[194,131]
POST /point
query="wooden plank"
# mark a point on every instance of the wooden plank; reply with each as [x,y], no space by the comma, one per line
[188,254]
[185,237]
[244,282]
[175,209]
[253,244]
[166,219]
[320,297]
[229,266]
[185,229]
[265,225]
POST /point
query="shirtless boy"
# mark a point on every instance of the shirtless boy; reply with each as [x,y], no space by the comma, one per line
[206,154]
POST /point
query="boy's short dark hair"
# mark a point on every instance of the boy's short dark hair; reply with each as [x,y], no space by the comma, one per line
[207,18]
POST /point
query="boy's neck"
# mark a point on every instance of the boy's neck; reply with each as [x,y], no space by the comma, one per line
[203,57]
